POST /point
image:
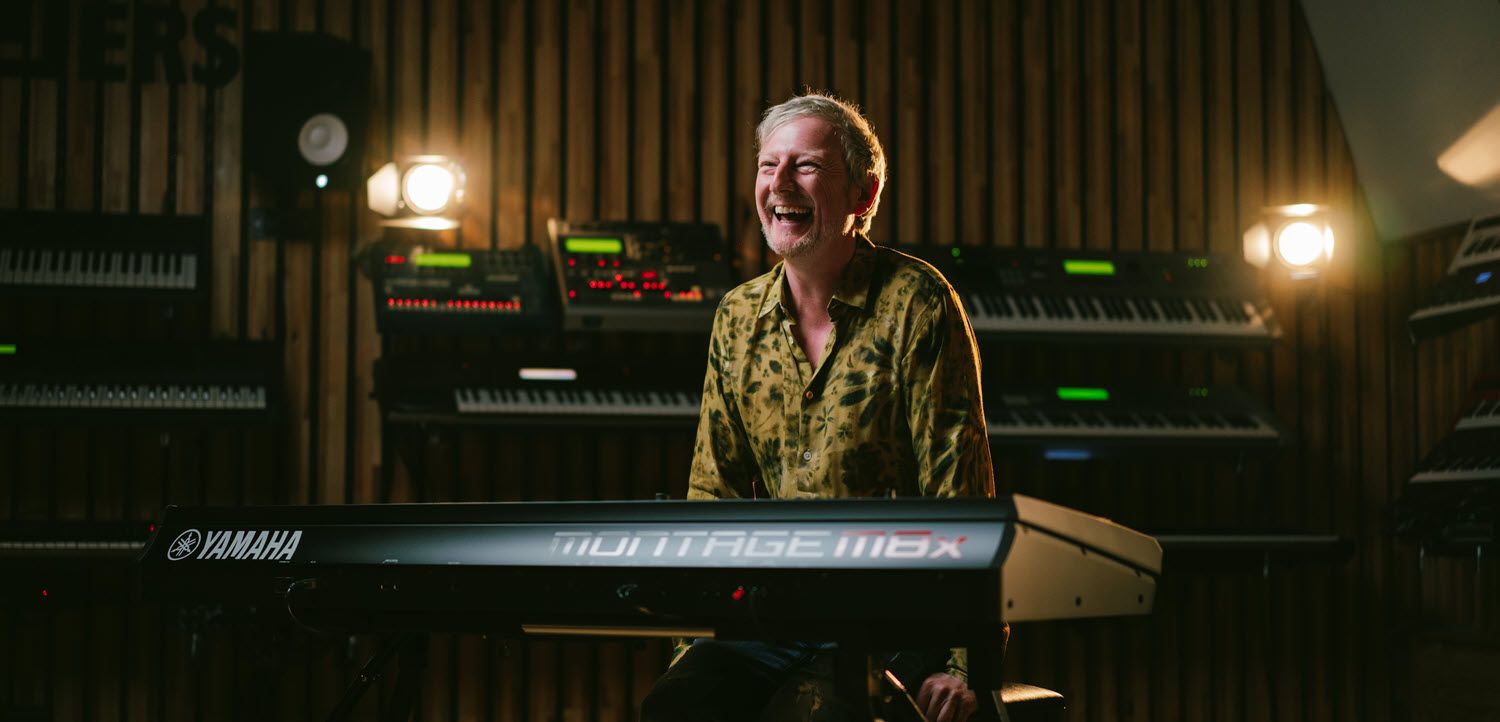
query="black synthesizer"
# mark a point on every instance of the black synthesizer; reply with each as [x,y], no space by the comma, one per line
[1076,422]
[1466,456]
[420,290]
[1471,294]
[211,382]
[55,562]
[638,276]
[1184,298]
[87,254]
[925,571]
[1481,245]
[1483,409]
[483,390]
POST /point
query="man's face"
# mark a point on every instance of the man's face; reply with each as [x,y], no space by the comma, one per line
[803,192]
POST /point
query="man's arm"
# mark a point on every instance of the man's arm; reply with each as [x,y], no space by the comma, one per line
[944,407]
[723,463]
[945,411]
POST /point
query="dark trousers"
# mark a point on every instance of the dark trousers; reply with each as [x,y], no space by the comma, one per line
[719,681]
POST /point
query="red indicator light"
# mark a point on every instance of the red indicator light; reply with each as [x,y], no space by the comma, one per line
[395,260]
[666,294]
[619,277]
[390,303]
[44,594]
[151,528]
[648,274]
[572,294]
[601,263]
[617,264]
[637,294]
[572,262]
[738,594]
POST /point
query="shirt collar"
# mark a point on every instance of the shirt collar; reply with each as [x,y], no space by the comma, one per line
[854,283]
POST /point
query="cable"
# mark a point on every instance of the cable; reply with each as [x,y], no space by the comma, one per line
[292,612]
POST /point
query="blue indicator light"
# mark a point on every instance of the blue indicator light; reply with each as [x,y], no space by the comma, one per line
[1485,276]
[1068,455]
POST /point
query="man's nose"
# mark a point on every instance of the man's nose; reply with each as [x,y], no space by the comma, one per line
[782,176]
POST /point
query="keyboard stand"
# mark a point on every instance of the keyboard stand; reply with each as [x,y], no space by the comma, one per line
[410,653]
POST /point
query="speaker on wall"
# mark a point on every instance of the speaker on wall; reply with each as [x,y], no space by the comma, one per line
[306,104]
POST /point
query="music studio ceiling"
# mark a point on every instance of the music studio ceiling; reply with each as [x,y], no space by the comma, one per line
[1416,82]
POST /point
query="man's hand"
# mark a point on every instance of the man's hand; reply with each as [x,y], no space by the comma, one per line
[945,698]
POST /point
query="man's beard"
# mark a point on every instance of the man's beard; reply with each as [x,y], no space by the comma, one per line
[801,246]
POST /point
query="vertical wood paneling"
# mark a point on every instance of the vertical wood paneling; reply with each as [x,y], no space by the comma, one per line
[646,159]
[877,105]
[941,202]
[903,140]
[1036,166]
[681,55]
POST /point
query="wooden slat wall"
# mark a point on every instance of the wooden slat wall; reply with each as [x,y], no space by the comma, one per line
[1128,124]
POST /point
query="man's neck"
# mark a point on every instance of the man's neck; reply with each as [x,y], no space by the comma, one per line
[812,279]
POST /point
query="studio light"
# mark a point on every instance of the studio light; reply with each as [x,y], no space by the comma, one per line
[423,191]
[1298,236]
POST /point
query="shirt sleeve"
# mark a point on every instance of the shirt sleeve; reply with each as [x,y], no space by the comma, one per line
[723,462]
[944,404]
[945,410]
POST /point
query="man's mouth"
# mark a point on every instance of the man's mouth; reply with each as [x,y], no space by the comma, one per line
[791,214]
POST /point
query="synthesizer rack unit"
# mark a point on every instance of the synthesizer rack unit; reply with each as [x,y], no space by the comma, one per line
[1451,503]
[1481,245]
[1104,296]
[168,383]
[633,276]
[1462,456]
[1080,422]
[57,562]
[540,391]
[1483,407]
[1471,294]
[104,255]
[423,290]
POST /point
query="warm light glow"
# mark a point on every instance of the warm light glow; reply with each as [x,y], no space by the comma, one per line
[428,188]
[1474,159]
[1299,236]
[382,191]
[1299,243]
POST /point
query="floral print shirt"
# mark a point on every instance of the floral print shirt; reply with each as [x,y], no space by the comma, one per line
[894,408]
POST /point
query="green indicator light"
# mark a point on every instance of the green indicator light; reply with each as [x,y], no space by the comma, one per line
[1082,393]
[956,252]
[1088,268]
[593,245]
[1197,263]
[1198,392]
[7,349]
[443,260]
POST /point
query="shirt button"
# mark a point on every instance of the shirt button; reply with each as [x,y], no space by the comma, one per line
[807,456]
[807,394]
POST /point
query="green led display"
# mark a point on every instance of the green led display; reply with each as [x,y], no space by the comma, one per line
[1197,263]
[593,245]
[1198,392]
[7,349]
[1076,267]
[1082,393]
[443,260]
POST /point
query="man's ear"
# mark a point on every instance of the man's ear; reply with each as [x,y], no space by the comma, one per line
[867,198]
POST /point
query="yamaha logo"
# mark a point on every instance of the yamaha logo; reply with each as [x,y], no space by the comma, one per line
[184,545]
